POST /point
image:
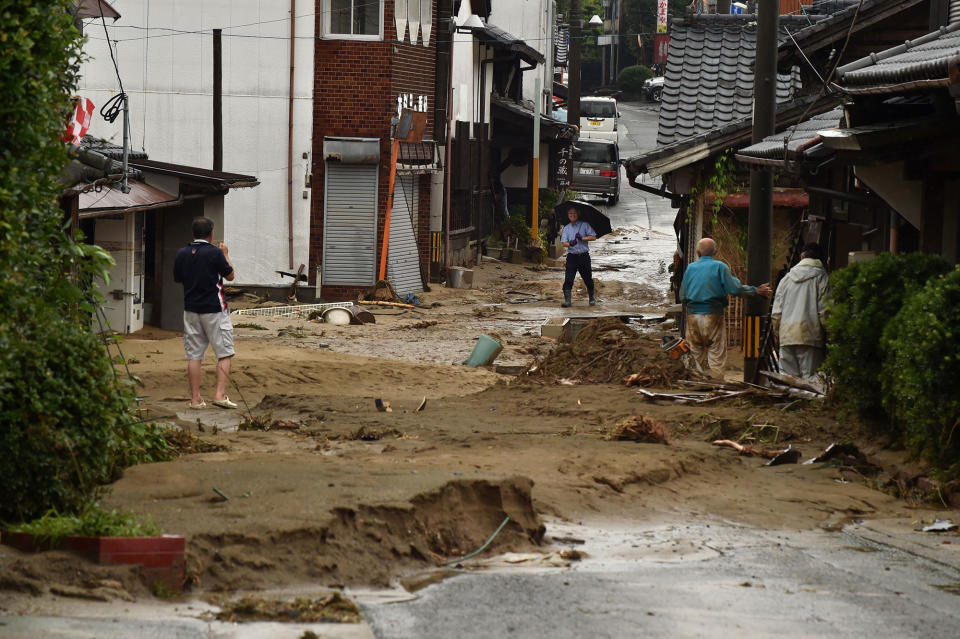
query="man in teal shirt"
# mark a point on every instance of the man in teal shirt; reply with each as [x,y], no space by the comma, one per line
[703,293]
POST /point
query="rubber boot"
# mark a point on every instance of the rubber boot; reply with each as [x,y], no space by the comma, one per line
[567,302]
[593,299]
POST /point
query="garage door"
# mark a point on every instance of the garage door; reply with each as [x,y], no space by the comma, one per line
[350,225]
[403,258]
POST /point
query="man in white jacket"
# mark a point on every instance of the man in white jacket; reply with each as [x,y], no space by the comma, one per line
[798,310]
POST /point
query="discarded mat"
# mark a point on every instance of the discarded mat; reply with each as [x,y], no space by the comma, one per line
[640,429]
[605,350]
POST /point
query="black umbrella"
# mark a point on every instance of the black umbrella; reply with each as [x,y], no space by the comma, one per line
[588,213]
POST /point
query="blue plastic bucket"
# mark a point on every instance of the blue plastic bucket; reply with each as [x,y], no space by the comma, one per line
[485,351]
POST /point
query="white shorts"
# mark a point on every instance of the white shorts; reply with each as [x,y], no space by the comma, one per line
[201,329]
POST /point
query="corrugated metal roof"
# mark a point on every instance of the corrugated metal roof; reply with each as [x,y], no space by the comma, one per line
[922,63]
[709,77]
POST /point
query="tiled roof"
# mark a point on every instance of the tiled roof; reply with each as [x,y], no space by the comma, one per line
[801,137]
[111,150]
[837,24]
[919,64]
[709,77]
[731,135]
[497,37]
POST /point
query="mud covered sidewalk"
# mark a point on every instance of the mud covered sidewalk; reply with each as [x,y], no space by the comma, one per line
[322,489]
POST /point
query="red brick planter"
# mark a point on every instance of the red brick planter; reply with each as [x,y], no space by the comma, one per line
[161,558]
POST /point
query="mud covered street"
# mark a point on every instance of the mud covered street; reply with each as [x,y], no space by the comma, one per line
[309,487]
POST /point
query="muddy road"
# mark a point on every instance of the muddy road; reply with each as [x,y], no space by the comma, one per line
[327,492]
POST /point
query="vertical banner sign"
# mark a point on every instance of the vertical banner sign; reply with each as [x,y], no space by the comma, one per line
[661,16]
[661,46]
[564,166]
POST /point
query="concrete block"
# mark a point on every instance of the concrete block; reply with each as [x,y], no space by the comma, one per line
[557,328]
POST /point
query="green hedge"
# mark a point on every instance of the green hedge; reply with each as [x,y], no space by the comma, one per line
[631,80]
[865,297]
[65,423]
[921,372]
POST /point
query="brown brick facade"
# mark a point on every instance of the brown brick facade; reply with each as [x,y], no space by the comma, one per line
[356,84]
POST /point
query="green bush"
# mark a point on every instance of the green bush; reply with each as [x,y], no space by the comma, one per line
[865,296]
[631,80]
[921,371]
[65,423]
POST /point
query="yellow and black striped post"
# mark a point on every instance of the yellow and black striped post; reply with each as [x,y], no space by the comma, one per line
[436,247]
[752,327]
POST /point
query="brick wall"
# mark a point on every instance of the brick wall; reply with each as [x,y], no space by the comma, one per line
[356,84]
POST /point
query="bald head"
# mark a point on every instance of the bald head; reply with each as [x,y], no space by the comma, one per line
[706,247]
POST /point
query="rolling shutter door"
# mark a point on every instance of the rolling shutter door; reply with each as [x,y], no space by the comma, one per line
[350,225]
[403,259]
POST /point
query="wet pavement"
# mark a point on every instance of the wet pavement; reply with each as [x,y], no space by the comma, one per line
[696,580]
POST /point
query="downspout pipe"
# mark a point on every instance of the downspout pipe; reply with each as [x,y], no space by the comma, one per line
[293,44]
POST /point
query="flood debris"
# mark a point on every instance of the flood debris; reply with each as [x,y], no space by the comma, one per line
[266,423]
[694,397]
[607,349]
[798,387]
[747,451]
[382,406]
[185,443]
[939,526]
[331,608]
[485,351]
[789,456]
[640,428]
[423,404]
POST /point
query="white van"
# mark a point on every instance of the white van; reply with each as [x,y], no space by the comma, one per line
[598,119]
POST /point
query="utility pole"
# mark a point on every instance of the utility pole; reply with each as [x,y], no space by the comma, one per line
[573,82]
[760,220]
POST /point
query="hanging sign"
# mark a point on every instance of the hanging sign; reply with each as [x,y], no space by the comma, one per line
[661,46]
[661,16]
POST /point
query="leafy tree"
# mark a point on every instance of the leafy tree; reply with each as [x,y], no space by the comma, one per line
[65,424]
[865,297]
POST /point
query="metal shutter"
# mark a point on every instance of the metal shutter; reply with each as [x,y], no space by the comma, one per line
[350,225]
[403,258]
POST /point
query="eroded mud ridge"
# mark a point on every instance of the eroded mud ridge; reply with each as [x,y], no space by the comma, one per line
[372,544]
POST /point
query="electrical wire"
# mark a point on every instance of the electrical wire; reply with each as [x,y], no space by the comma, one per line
[826,83]
[114,106]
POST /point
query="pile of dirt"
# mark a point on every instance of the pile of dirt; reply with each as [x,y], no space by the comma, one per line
[607,350]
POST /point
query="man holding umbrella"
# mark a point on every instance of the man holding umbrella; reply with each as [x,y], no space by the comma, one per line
[574,237]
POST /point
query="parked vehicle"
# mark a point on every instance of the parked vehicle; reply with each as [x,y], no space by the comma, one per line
[598,119]
[596,168]
[653,89]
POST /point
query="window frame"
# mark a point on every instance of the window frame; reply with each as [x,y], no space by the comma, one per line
[327,8]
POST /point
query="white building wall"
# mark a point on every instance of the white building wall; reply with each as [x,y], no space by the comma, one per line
[529,21]
[525,19]
[165,56]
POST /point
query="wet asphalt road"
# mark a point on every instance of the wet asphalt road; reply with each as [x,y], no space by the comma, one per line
[694,581]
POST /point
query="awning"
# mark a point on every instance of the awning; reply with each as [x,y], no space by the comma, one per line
[514,114]
[500,39]
[110,200]
[218,179]
[898,135]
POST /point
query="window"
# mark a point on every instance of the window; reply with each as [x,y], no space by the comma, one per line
[585,151]
[598,109]
[355,19]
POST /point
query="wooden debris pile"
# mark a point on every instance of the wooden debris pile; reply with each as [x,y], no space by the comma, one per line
[640,429]
[605,350]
